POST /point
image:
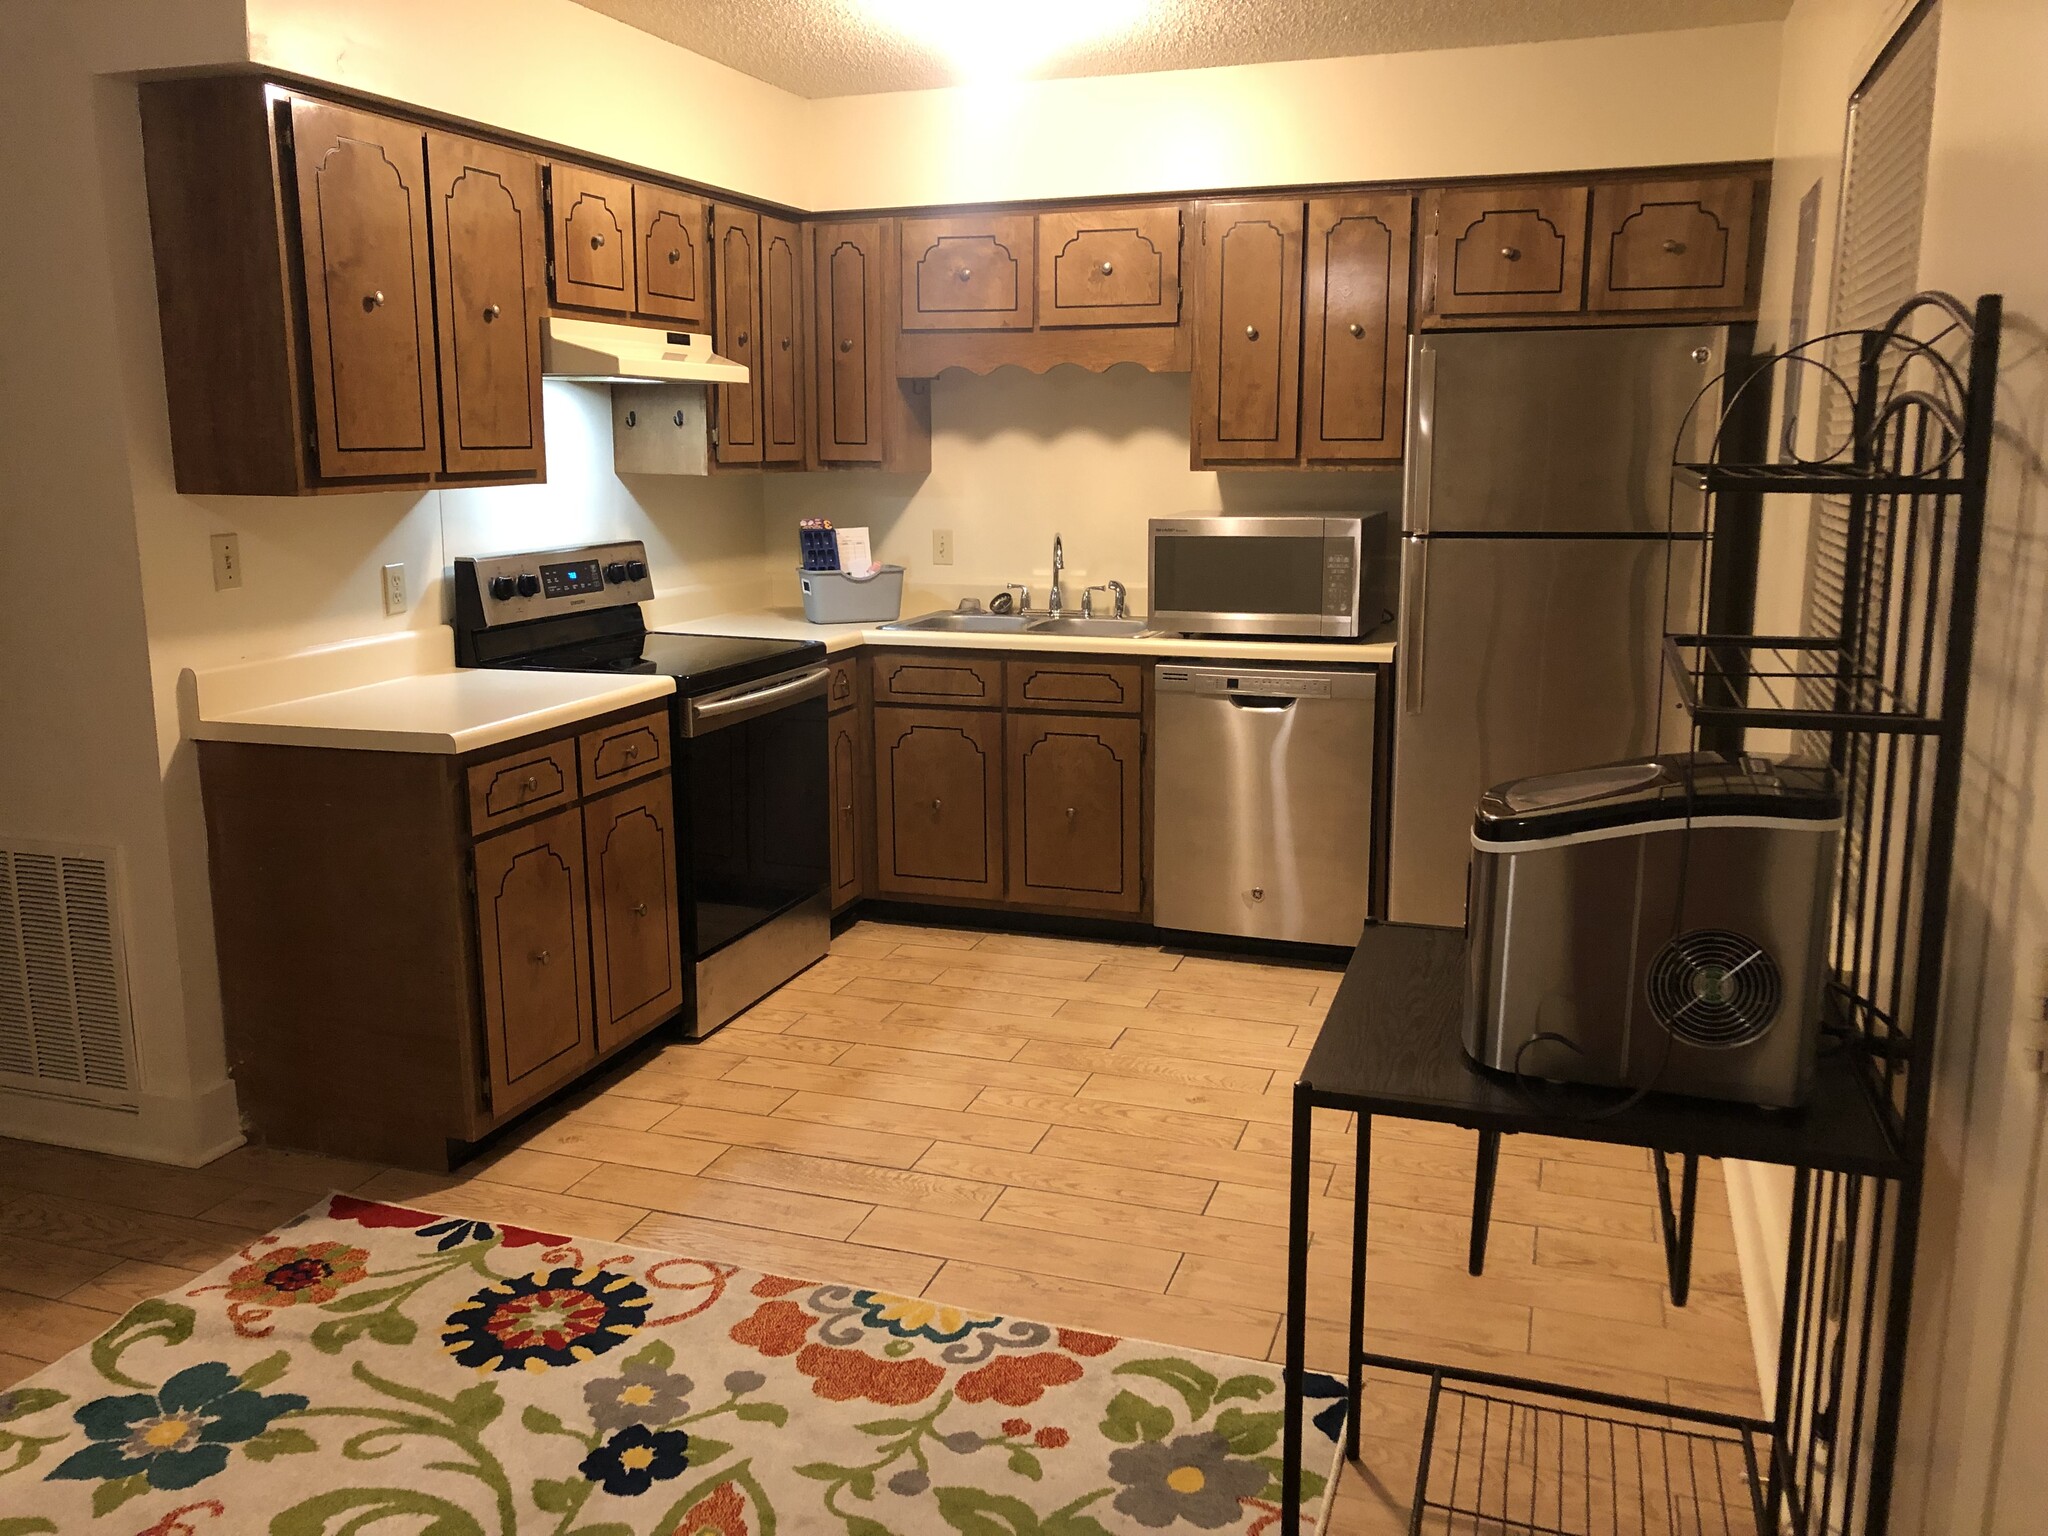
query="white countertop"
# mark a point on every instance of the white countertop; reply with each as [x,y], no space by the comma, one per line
[790,624]
[445,712]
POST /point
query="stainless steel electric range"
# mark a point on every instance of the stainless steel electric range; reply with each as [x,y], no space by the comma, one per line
[752,817]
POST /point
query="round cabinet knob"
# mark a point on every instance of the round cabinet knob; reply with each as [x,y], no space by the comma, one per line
[636,570]
[740,340]
[936,804]
[541,957]
[373,300]
[674,255]
[1675,247]
[1251,333]
[529,784]
[1070,815]
[490,313]
[964,273]
[784,343]
[616,571]
[632,750]
[1107,268]
[529,584]
[503,587]
[1702,354]
[1355,329]
[597,242]
[846,343]
[639,909]
[1510,253]
[1258,893]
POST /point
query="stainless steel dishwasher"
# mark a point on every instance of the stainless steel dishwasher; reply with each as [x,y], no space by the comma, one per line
[1263,813]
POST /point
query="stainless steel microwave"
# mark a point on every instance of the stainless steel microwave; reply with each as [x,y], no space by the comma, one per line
[1288,576]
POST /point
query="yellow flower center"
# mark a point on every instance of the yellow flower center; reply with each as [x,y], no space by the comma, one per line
[636,1458]
[639,1395]
[167,1433]
[1186,1480]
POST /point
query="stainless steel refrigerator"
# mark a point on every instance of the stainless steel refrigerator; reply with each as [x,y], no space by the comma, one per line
[1534,591]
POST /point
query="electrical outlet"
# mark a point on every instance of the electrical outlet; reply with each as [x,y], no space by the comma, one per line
[942,546]
[394,589]
[227,560]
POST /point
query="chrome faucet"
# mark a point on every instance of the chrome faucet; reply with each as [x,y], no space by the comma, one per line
[1055,602]
[1115,589]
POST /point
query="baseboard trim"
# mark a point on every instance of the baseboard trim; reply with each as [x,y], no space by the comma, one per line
[159,1128]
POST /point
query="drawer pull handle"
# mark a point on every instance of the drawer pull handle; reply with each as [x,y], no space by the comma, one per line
[632,750]
[846,343]
[529,784]
[597,242]
[936,803]
[373,300]
[1107,268]
[1356,329]
[1510,253]
[540,957]
[1675,247]
[1251,333]
[490,313]
[674,255]
[639,909]
[1070,815]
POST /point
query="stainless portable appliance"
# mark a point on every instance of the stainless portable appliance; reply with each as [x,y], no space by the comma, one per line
[1290,577]
[1654,924]
[1534,593]
[1263,795]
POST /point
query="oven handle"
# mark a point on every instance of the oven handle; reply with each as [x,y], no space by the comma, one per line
[702,719]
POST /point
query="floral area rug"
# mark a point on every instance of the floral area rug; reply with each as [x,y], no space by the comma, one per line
[371,1369]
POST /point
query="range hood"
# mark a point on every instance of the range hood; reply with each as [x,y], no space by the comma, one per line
[598,352]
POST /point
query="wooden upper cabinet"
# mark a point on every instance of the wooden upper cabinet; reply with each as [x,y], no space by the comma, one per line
[779,384]
[1355,328]
[1506,250]
[636,951]
[593,239]
[1247,369]
[362,183]
[967,274]
[489,244]
[674,267]
[532,946]
[1075,812]
[736,240]
[1671,244]
[852,264]
[1109,266]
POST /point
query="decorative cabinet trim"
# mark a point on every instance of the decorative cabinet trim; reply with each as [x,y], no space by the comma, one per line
[1660,245]
[673,267]
[969,683]
[737,263]
[1113,687]
[967,274]
[636,947]
[1355,335]
[511,789]
[1513,250]
[844,690]
[1075,812]
[780,388]
[938,803]
[1109,266]
[593,231]
[533,940]
[617,754]
[1247,370]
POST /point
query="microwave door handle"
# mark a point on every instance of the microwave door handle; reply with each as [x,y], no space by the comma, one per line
[1421,438]
[1414,620]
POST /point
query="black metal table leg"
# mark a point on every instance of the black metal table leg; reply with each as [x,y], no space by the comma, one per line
[1482,1198]
[1677,1228]
[1360,1204]
[1297,1317]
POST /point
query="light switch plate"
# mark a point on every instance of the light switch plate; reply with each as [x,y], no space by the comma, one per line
[942,546]
[227,560]
[394,589]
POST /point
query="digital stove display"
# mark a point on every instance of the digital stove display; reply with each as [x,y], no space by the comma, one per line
[572,578]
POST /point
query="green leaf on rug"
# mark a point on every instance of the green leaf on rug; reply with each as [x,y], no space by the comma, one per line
[390,1327]
[1193,1383]
[861,1525]
[539,1421]
[116,1491]
[976,1512]
[1311,1483]
[476,1407]
[280,1441]
[23,1401]
[266,1370]
[558,1496]
[1245,1386]
[886,1426]
[704,1450]
[152,1319]
[822,1472]
[27,1525]
[763,1413]
[861,1485]
[1129,1418]
[604,1528]
[1024,1464]
[1248,1433]
[655,1353]
[1072,1523]
[311,1518]
[363,1301]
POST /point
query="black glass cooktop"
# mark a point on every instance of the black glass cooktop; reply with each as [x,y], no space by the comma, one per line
[699,663]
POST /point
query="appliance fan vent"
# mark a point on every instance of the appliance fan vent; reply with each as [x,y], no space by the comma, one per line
[1714,988]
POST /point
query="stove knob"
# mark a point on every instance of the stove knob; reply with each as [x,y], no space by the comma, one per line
[502,587]
[615,572]
[636,570]
[529,584]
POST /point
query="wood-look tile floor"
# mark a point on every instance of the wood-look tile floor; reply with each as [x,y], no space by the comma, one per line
[1090,1133]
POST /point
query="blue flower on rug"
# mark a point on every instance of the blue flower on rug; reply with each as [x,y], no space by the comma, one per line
[177,1435]
[636,1458]
[533,1322]
[1331,1419]
[454,1232]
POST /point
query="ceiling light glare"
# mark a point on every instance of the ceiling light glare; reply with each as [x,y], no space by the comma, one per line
[992,40]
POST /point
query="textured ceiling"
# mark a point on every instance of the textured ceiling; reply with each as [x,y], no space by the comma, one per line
[837,48]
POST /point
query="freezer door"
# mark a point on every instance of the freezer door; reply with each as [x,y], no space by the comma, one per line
[1518,657]
[1564,431]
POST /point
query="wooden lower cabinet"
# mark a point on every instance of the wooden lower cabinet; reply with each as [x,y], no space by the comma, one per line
[636,946]
[853,800]
[533,948]
[939,803]
[1075,798]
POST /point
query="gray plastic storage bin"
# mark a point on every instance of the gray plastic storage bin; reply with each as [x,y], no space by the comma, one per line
[837,597]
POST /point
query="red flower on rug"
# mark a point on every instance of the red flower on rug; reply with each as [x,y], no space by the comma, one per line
[777,1329]
[286,1276]
[375,1213]
[1076,1342]
[838,1375]
[1014,1380]
[721,1512]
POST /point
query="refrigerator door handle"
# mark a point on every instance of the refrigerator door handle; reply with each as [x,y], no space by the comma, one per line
[1421,437]
[1414,603]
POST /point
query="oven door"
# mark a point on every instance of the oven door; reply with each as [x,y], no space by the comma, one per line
[1293,577]
[755,804]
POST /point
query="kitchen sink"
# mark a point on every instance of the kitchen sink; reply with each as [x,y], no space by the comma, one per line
[967,623]
[1065,625]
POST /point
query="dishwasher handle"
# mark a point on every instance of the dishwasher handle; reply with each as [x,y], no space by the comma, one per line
[1273,703]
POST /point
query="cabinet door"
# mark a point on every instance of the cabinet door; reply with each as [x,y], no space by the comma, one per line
[369,291]
[781,350]
[967,274]
[852,792]
[670,257]
[636,947]
[851,263]
[593,233]
[1354,373]
[939,803]
[533,940]
[1074,791]
[489,239]
[1507,250]
[1671,244]
[736,235]
[1247,372]
[1109,266]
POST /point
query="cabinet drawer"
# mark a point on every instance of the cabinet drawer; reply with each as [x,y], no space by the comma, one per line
[1671,244]
[1113,687]
[621,752]
[1507,250]
[844,690]
[968,683]
[509,789]
[1109,266]
[967,274]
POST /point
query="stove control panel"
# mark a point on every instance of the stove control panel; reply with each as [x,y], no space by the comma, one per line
[492,590]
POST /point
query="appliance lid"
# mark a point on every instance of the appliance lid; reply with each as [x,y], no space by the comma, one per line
[600,352]
[1701,786]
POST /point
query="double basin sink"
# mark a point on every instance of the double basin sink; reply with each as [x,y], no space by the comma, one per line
[1018,624]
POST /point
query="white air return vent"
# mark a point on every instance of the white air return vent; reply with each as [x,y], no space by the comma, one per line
[64,1020]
